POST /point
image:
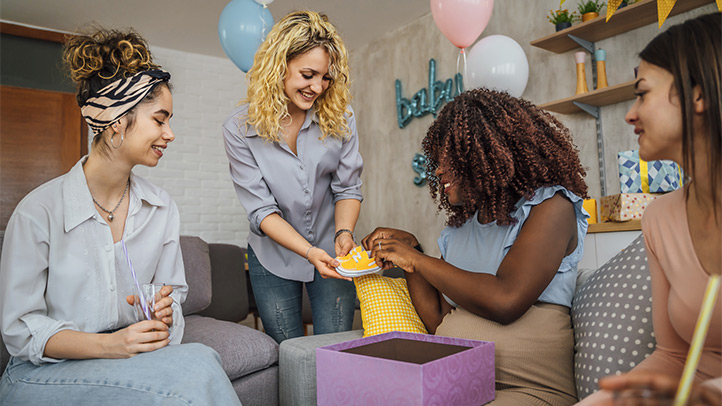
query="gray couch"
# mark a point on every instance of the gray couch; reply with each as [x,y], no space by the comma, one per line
[217,300]
[611,316]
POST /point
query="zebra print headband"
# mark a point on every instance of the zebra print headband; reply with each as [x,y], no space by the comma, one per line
[115,100]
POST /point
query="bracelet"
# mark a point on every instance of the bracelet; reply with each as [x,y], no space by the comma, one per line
[341,231]
[417,247]
[308,251]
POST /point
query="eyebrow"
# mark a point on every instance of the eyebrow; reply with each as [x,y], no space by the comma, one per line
[164,112]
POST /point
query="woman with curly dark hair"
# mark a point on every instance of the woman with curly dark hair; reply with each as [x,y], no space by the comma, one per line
[66,279]
[510,181]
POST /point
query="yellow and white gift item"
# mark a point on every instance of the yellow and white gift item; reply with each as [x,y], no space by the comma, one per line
[624,206]
[386,306]
[357,263]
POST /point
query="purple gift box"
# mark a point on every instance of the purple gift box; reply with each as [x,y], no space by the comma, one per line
[400,368]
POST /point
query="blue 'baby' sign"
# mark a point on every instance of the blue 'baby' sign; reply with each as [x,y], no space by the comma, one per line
[423,102]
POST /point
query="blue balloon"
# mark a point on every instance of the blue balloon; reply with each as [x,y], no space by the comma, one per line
[242,27]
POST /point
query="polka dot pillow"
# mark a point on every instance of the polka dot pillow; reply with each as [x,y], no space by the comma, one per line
[386,305]
[612,317]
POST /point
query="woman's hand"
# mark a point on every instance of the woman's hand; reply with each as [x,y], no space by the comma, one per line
[144,336]
[657,385]
[383,233]
[393,252]
[162,310]
[325,264]
[343,244]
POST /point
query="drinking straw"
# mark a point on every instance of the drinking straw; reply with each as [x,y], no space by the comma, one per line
[143,303]
[695,349]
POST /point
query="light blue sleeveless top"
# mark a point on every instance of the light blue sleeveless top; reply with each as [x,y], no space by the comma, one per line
[480,248]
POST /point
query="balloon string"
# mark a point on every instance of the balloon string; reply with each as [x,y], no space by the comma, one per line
[263,31]
[459,58]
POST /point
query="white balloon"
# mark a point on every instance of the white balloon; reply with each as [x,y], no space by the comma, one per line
[497,62]
[264,2]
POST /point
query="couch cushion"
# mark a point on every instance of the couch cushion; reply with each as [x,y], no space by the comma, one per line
[386,305]
[243,350]
[612,317]
[197,263]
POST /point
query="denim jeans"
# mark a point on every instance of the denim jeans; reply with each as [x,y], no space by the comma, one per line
[333,302]
[186,374]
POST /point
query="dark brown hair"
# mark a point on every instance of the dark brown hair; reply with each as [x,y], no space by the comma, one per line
[498,149]
[692,53]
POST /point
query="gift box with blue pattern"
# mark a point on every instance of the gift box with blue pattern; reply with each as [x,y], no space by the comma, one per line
[639,176]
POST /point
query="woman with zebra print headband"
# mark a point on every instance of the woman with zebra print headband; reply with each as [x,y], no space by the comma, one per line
[75,248]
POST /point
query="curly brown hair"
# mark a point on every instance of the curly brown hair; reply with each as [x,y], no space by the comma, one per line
[499,149]
[102,56]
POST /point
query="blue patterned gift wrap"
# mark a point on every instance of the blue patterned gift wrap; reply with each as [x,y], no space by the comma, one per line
[639,176]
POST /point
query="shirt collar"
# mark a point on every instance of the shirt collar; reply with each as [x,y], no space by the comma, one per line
[311,116]
[78,202]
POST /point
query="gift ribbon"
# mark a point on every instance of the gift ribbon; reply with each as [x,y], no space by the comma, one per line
[644,174]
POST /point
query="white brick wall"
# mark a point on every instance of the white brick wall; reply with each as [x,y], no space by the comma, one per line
[194,168]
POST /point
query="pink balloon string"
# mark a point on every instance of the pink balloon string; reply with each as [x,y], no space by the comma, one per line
[143,303]
[459,64]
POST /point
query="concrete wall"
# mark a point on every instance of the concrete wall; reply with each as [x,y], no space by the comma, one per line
[391,198]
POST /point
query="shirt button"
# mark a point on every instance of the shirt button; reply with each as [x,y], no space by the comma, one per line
[112,288]
[300,167]
[305,191]
[108,248]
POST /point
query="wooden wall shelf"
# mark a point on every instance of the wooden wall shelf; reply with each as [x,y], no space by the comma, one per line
[598,98]
[609,227]
[636,15]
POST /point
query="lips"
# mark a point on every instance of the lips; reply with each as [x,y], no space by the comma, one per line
[158,149]
[307,96]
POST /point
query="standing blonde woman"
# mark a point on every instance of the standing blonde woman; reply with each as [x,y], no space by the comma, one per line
[294,161]
[65,280]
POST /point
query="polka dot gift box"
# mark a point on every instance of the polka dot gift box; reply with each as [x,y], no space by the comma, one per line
[624,206]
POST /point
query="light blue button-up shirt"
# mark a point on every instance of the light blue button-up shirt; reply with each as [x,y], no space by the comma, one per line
[303,189]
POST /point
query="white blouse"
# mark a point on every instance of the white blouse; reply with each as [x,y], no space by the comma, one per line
[60,269]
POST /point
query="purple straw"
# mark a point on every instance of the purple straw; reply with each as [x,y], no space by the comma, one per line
[143,303]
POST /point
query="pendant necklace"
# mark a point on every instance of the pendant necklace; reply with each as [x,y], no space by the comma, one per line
[110,212]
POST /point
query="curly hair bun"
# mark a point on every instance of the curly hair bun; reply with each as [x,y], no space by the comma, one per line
[103,56]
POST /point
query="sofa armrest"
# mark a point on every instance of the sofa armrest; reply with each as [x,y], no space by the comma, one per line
[297,366]
[228,279]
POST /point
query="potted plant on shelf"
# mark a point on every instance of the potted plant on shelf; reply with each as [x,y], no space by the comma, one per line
[561,18]
[589,9]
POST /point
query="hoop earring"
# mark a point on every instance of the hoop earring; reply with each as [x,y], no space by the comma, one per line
[122,138]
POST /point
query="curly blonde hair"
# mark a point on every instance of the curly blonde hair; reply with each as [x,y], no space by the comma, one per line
[294,35]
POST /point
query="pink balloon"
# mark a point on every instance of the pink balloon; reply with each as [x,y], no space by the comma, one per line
[461,21]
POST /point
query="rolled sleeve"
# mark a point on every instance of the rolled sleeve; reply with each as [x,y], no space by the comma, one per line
[23,275]
[346,181]
[251,188]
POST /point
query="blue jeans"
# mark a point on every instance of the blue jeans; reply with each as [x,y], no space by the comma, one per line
[333,302]
[186,374]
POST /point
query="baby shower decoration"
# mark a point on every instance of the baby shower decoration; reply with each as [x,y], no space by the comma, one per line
[242,27]
[429,100]
[461,22]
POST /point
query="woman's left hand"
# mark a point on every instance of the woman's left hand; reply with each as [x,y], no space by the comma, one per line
[344,243]
[394,253]
[163,309]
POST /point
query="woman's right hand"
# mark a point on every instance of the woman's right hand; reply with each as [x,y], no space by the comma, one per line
[325,263]
[144,336]
[384,233]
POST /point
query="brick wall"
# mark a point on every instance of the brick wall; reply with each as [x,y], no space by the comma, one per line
[194,168]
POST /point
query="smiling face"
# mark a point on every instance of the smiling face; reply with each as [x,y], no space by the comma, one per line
[306,79]
[150,133]
[656,114]
[449,185]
